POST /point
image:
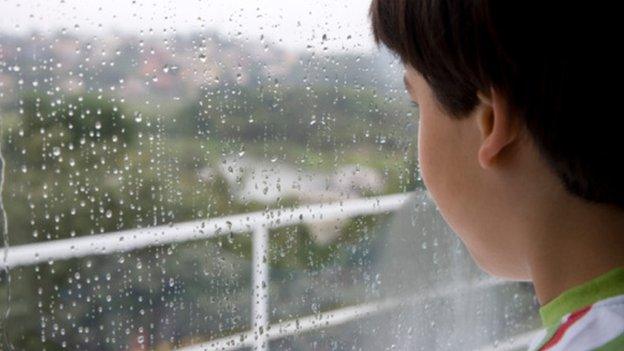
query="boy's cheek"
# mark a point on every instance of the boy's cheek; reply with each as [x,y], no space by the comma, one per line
[462,196]
[438,164]
[446,172]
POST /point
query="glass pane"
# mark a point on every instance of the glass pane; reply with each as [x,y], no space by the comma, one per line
[228,174]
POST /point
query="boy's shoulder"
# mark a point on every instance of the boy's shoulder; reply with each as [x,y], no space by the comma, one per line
[599,326]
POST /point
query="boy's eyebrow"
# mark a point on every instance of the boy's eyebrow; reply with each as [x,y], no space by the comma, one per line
[407,83]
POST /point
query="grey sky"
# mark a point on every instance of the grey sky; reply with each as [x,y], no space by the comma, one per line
[290,23]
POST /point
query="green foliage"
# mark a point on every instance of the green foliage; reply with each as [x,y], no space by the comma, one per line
[320,117]
[69,123]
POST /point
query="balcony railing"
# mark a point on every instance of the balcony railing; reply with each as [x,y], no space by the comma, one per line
[259,224]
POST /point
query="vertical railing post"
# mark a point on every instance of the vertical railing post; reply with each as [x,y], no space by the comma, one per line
[260,288]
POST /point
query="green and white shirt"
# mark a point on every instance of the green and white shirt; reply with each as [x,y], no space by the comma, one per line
[587,317]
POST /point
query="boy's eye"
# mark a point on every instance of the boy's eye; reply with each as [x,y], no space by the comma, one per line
[414,103]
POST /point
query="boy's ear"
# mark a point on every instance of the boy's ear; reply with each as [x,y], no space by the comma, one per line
[496,125]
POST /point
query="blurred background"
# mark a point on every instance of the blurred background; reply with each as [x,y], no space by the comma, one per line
[117,115]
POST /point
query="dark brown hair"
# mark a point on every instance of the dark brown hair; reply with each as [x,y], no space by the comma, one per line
[557,63]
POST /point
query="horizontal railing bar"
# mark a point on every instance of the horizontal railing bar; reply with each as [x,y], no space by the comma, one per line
[128,240]
[513,343]
[337,317]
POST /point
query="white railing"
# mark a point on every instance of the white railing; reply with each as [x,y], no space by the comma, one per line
[336,317]
[259,224]
[255,222]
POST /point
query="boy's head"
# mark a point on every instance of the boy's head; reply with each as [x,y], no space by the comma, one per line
[519,113]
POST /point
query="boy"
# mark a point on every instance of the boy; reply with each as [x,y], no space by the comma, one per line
[519,145]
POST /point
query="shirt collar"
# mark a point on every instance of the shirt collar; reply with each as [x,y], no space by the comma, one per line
[602,287]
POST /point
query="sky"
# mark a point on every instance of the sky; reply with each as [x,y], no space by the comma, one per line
[292,24]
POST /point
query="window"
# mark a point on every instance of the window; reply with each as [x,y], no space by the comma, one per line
[222,175]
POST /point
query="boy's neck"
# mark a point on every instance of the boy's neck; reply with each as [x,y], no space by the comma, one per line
[574,244]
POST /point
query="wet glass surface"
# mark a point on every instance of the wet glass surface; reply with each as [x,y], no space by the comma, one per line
[163,166]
